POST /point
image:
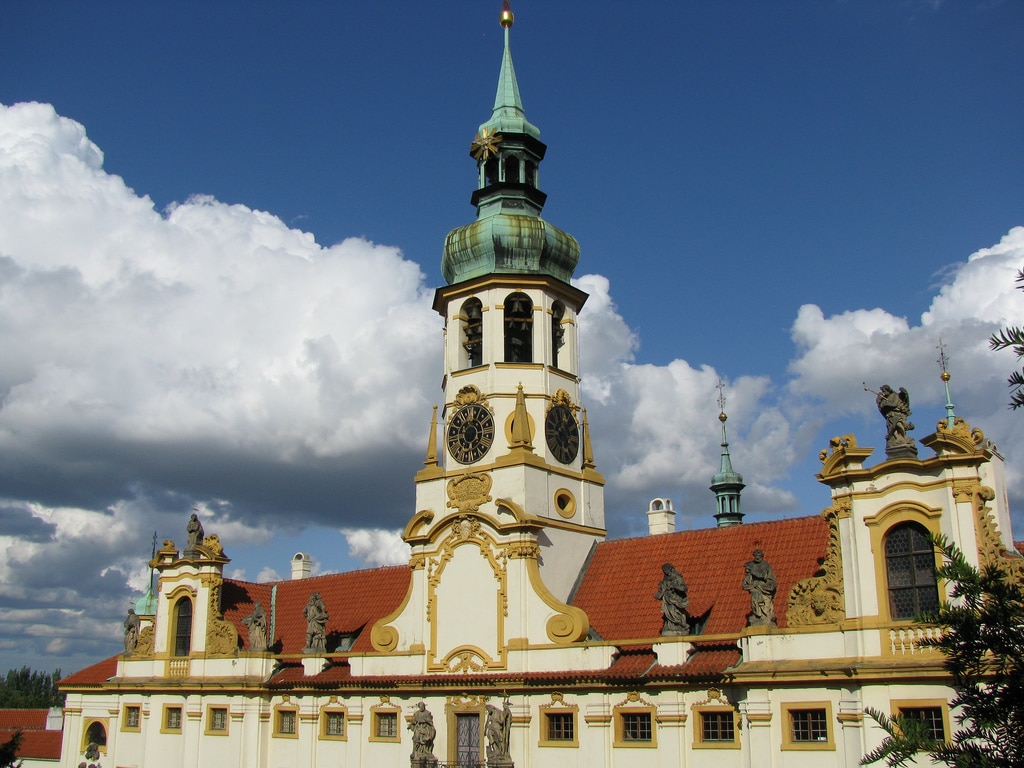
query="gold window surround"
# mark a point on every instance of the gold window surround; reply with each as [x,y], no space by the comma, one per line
[632,713]
[792,711]
[559,708]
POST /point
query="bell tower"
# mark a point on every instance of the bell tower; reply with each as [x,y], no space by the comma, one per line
[509,502]
[511,362]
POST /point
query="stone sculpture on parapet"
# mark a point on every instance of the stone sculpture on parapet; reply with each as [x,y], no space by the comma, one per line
[895,409]
[423,733]
[759,580]
[132,627]
[315,613]
[674,599]
[498,732]
[257,624]
[194,529]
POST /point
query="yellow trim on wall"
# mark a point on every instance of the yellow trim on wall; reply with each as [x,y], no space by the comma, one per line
[285,708]
[333,708]
[633,704]
[165,726]
[209,730]
[791,744]
[698,727]
[125,728]
[558,706]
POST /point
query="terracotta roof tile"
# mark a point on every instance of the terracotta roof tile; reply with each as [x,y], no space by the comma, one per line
[617,591]
[25,719]
[354,600]
[41,745]
[94,675]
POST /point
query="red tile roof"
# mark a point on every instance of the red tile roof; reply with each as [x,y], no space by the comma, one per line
[617,591]
[36,741]
[354,600]
[41,745]
[94,675]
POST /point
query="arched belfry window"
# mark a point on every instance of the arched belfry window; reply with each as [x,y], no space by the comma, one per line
[512,170]
[473,333]
[557,331]
[183,627]
[491,171]
[531,173]
[910,571]
[518,328]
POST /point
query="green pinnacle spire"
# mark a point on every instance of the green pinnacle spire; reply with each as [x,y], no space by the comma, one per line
[508,115]
[508,236]
[726,483]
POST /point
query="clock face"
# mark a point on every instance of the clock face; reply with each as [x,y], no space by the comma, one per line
[470,433]
[563,433]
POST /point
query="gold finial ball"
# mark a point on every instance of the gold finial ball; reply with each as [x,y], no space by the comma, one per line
[945,376]
[507,18]
[722,417]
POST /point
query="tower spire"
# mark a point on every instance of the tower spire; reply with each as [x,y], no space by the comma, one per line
[943,362]
[726,483]
[508,115]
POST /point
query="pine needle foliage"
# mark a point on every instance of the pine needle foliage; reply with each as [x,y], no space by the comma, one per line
[1012,337]
[983,642]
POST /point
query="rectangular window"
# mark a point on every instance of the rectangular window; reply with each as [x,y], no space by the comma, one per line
[560,726]
[172,718]
[717,726]
[132,718]
[335,724]
[286,722]
[808,725]
[218,719]
[932,717]
[636,726]
[387,725]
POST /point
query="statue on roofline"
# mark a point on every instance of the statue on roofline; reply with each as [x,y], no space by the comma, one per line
[674,599]
[759,580]
[895,409]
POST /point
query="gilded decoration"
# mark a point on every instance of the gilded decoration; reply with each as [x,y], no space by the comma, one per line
[518,550]
[820,599]
[467,492]
[990,544]
[470,394]
[145,644]
[842,453]
[561,397]
[837,445]
[221,636]
[212,543]
[466,660]
[714,696]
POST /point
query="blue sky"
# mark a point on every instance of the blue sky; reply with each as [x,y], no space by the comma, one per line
[785,195]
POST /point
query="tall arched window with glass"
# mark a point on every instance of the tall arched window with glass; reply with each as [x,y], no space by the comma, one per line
[910,571]
[183,627]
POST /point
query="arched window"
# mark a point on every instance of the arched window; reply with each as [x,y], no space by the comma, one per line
[491,171]
[96,734]
[512,170]
[910,571]
[518,328]
[473,333]
[557,331]
[531,173]
[183,627]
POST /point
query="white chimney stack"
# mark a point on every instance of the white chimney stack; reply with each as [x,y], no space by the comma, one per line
[661,518]
[302,565]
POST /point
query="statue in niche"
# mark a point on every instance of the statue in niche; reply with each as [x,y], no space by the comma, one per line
[423,733]
[674,599]
[195,533]
[257,624]
[132,627]
[895,409]
[316,624]
[498,732]
[759,580]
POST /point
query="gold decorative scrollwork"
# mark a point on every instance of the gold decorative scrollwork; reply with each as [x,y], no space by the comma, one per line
[470,394]
[838,445]
[522,549]
[561,397]
[145,645]
[221,638]
[212,543]
[467,492]
[820,599]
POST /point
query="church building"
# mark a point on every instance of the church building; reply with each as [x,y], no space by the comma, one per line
[518,634]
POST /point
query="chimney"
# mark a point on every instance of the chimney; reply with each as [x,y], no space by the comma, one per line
[302,564]
[661,518]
